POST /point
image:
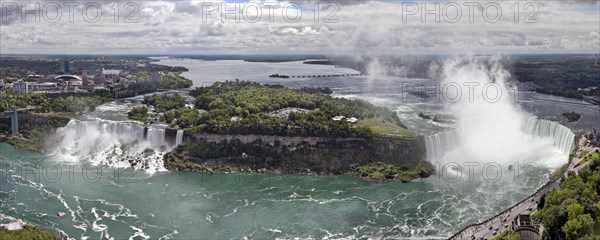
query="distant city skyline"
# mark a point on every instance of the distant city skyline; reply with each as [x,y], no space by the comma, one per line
[346,27]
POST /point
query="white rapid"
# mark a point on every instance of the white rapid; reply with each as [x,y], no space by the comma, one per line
[490,126]
[116,144]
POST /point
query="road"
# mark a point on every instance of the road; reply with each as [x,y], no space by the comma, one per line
[483,229]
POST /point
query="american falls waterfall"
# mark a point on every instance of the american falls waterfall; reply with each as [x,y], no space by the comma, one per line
[117,144]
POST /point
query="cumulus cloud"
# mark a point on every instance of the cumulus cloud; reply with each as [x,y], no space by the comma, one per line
[360,27]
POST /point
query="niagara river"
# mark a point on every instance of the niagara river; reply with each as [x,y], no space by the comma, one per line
[89,177]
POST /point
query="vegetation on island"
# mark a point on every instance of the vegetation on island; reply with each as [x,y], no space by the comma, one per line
[572,116]
[247,108]
[240,107]
[313,90]
[165,102]
[572,212]
[138,114]
[27,232]
[384,171]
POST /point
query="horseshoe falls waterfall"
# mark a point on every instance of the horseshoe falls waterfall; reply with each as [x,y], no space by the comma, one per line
[490,126]
[562,137]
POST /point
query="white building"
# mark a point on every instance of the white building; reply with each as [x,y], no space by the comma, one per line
[111,71]
[236,119]
[338,118]
[20,87]
[45,87]
[352,120]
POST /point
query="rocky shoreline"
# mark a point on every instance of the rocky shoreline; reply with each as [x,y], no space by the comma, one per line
[177,160]
[14,228]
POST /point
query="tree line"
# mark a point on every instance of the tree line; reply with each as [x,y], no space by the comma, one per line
[243,107]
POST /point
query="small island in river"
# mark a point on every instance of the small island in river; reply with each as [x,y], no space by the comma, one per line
[239,126]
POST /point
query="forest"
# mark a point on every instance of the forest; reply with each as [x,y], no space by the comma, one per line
[138,114]
[52,103]
[558,75]
[242,107]
[165,102]
[572,212]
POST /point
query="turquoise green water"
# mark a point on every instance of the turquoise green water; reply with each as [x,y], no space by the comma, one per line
[104,202]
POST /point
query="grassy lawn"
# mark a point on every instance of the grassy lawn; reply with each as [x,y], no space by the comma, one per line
[583,153]
[590,157]
[382,127]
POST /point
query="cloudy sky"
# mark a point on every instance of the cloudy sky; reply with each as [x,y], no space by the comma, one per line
[307,26]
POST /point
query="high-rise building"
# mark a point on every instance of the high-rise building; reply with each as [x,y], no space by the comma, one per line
[111,71]
[66,67]
[84,78]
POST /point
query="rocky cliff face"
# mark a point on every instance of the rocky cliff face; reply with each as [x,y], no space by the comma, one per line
[299,154]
